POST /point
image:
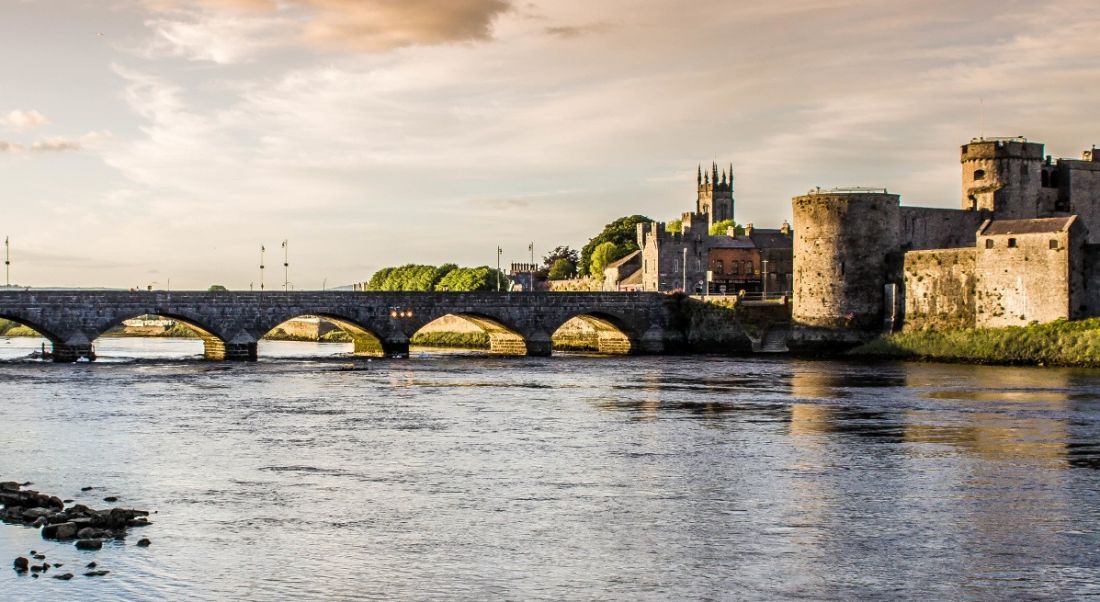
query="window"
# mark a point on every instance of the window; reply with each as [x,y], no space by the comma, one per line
[1012,243]
[718,266]
[748,268]
[1046,180]
[989,243]
[735,268]
[979,174]
[1053,244]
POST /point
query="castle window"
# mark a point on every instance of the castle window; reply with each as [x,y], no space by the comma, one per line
[989,243]
[1012,243]
[1055,181]
[1046,179]
[1053,244]
[979,174]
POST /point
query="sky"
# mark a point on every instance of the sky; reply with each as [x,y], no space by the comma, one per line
[162,142]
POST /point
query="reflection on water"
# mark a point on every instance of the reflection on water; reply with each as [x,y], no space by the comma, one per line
[316,475]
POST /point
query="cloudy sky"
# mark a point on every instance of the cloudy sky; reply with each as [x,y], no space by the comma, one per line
[148,140]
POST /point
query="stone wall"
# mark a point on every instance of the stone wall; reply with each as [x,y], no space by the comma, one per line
[1002,176]
[1026,277]
[930,228]
[939,289]
[1082,189]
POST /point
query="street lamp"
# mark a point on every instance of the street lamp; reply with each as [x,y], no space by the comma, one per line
[499,251]
[765,276]
[262,250]
[684,270]
[286,268]
[7,261]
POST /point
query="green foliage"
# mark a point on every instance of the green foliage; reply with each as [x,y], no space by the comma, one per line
[483,278]
[623,232]
[411,277]
[720,228]
[217,288]
[562,269]
[604,255]
[562,252]
[15,329]
[1062,342]
[675,226]
[462,340]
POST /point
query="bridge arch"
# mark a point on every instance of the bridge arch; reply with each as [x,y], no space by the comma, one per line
[185,326]
[503,337]
[597,331]
[365,340]
[15,321]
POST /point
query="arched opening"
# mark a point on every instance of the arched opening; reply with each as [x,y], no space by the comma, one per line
[319,336]
[20,340]
[156,336]
[593,333]
[470,332]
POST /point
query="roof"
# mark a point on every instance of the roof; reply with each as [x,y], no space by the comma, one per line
[620,262]
[767,238]
[730,242]
[1026,226]
[634,278]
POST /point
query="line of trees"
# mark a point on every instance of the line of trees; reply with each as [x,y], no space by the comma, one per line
[447,277]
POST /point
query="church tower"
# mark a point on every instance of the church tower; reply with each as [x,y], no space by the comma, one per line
[715,195]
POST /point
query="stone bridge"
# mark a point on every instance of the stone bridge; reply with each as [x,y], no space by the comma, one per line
[231,323]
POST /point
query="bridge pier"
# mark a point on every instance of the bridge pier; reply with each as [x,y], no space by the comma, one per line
[240,352]
[395,349]
[67,354]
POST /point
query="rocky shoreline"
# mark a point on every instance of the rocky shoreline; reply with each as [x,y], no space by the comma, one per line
[86,527]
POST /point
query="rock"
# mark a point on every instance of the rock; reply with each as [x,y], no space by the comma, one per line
[27,484]
[35,575]
[64,576]
[110,498]
[61,531]
[96,573]
[57,565]
[41,521]
[93,533]
[66,501]
[89,544]
[143,542]
[91,565]
[35,568]
[87,488]
[9,486]
[32,514]
[37,556]
[21,564]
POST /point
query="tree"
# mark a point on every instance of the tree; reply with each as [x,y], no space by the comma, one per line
[217,288]
[562,269]
[721,227]
[623,232]
[675,226]
[562,252]
[604,255]
[482,278]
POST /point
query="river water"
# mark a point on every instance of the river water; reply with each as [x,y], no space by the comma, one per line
[312,475]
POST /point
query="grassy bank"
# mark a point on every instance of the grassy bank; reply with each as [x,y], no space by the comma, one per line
[1059,343]
[457,340]
[14,329]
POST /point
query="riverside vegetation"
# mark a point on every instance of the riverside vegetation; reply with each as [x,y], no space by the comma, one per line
[1058,343]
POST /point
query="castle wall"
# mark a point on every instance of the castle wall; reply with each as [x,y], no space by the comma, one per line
[1091,279]
[1040,279]
[1002,176]
[939,289]
[663,255]
[930,228]
[846,249]
[1081,186]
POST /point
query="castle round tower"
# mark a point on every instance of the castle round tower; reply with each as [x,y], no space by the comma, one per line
[847,247]
[1002,176]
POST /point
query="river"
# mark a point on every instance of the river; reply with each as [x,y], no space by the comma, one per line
[313,475]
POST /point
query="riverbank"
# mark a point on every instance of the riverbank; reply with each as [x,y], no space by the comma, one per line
[1059,343]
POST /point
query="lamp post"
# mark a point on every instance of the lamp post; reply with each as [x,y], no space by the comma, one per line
[531,270]
[262,250]
[764,275]
[7,261]
[499,251]
[286,268]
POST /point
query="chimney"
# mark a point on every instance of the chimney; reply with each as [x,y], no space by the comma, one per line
[748,229]
[731,232]
[785,229]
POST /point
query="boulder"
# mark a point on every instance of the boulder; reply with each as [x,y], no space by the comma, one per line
[111,498]
[61,531]
[93,533]
[64,576]
[96,573]
[143,542]
[21,564]
[89,544]
[9,486]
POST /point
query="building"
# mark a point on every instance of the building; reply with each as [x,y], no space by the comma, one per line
[693,260]
[1019,250]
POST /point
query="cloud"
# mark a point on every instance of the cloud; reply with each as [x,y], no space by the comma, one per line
[229,31]
[56,144]
[23,120]
[576,31]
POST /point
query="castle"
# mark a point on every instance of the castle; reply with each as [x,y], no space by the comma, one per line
[1022,248]
[695,261]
